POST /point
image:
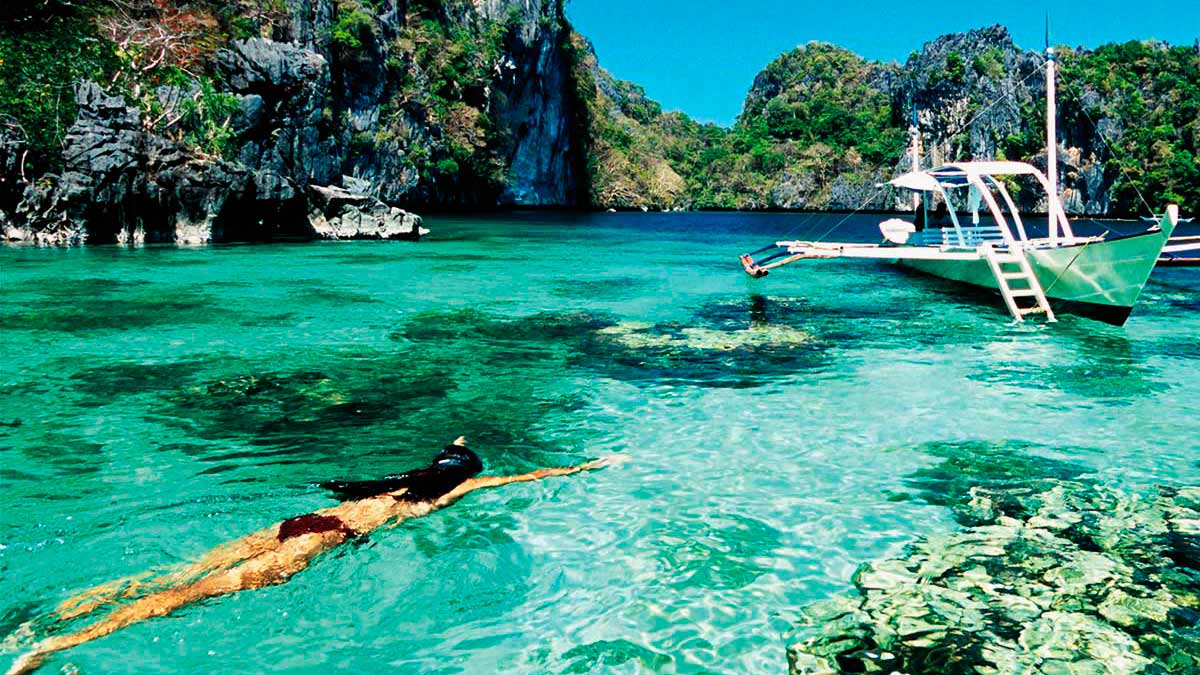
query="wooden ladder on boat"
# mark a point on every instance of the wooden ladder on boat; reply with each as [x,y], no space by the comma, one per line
[1015,255]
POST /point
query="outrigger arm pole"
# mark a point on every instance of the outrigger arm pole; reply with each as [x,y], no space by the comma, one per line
[760,268]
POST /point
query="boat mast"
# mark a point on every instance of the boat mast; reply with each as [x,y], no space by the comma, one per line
[915,154]
[1051,144]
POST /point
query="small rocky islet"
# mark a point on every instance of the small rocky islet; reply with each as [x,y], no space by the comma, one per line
[1052,573]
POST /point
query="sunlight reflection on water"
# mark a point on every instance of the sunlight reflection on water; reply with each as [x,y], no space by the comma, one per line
[159,402]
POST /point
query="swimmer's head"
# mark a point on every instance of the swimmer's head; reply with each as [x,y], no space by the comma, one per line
[458,458]
[453,465]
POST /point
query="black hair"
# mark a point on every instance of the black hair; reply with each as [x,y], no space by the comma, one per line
[453,465]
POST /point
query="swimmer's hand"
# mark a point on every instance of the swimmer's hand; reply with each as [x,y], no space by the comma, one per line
[611,460]
[496,481]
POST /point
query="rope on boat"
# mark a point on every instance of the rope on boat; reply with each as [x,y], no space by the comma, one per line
[1078,253]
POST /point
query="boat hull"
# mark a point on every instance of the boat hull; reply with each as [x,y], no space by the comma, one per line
[1099,280]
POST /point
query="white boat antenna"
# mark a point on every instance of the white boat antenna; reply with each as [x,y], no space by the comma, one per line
[914,132]
[1054,207]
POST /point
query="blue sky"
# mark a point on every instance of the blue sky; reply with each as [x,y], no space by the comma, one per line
[701,56]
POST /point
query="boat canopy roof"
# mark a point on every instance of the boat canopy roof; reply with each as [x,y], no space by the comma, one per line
[960,174]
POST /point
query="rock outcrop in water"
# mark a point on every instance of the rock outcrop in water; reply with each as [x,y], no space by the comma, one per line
[336,213]
[1050,575]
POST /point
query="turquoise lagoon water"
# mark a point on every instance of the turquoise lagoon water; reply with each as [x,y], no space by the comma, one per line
[158,402]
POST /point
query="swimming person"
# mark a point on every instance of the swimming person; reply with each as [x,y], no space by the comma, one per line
[272,555]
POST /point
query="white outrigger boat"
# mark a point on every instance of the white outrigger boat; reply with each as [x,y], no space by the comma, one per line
[1097,277]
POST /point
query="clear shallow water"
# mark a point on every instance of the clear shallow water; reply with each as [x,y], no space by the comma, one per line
[156,403]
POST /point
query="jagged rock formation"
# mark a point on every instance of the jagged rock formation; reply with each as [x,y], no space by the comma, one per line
[336,213]
[420,103]
[969,91]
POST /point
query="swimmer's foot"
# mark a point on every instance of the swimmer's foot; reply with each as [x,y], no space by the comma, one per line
[27,663]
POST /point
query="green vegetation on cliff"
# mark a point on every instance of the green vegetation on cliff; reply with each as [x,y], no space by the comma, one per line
[40,62]
[811,118]
[442,73]
[155,53]
[825,94]
[628,138]
[1150,94]
[821,126]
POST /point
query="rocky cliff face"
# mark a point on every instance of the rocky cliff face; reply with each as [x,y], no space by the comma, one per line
[969,91]
[821,127]
[978,96]
[228,129]
[413,103]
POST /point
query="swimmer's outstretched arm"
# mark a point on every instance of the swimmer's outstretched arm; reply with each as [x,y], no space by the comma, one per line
[481,482]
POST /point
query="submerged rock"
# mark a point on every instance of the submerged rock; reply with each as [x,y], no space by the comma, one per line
[1070,578]
[638,335]
[721,345]
[725,343]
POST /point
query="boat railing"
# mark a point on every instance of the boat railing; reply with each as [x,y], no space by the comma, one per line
[948,236]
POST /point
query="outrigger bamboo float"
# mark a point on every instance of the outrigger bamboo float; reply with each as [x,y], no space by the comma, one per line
[1181,252]
[1096,277]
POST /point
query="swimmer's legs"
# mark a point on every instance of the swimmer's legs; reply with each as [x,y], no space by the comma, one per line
[157,604]
[221,558]
[273,567]
[89,600]
[227,555]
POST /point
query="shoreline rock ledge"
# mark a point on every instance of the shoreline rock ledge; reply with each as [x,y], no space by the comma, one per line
[122,184]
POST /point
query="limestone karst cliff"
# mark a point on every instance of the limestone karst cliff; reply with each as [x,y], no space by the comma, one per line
[206,121]
[821,126]
[192,121]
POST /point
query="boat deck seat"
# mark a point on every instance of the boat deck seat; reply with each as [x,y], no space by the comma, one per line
[946,236]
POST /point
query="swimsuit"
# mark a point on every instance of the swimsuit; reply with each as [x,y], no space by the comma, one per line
[312,523]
